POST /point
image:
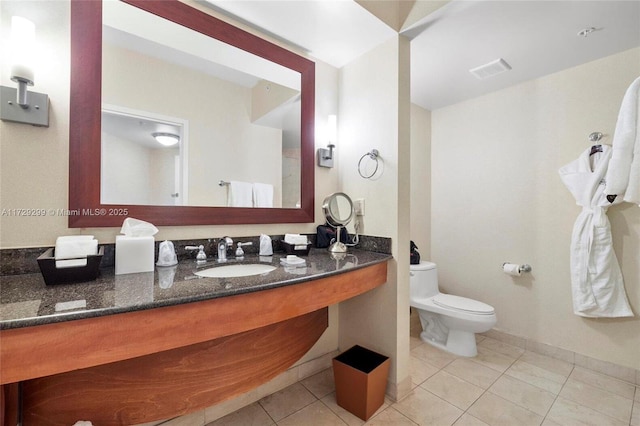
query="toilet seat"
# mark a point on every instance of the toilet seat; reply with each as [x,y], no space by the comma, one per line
[463,304]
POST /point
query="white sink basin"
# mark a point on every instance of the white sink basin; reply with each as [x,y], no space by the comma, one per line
[242,270]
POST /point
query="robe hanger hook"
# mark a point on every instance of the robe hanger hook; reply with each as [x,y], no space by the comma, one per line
[595,136]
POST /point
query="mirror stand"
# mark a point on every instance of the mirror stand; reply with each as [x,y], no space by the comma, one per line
[338,246]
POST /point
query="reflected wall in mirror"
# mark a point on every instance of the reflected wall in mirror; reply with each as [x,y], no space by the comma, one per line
[229,97]
[243,116]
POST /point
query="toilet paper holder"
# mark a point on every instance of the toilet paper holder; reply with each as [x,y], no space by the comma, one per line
[521,268]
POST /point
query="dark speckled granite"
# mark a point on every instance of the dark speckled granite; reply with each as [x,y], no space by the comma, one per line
[26,301]
[23,260]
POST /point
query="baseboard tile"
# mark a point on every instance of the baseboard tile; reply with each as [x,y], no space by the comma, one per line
[620,372]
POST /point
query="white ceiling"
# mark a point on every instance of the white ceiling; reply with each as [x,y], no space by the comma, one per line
[535,37]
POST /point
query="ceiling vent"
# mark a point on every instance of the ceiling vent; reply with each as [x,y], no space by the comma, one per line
[492,68]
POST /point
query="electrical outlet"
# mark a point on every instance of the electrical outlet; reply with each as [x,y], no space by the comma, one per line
[358,206]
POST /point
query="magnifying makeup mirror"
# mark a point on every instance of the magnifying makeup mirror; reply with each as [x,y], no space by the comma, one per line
[338,209]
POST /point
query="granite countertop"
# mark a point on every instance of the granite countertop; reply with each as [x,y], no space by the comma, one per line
[26,301]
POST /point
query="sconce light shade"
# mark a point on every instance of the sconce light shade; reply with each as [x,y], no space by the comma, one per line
[332,125]
[166,139]
[23,37]
[18,105]
[325,156]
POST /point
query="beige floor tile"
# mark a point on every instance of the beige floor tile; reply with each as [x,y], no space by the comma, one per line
[346,416]
[525,395]
[320,384]
[492,359]
[468,420]
[434,356]
[472,372]
[420,370]
[425,408]
[637,397]
[602,381]
[193,419]
[597,399]
[287,401]
[536,376]
[495,411]
[554,365]
[548,422]
[390,417]
[414,342]
[565,412]
[635,415]
[251,415]
[453,389]
[316,414]
[501,347]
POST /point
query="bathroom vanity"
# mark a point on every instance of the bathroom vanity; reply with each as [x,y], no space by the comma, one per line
[135,348]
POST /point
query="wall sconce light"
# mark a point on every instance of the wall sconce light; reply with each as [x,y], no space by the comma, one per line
[325,156]
[19,105]
[166,139]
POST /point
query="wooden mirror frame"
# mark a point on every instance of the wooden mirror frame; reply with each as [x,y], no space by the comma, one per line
[85,123]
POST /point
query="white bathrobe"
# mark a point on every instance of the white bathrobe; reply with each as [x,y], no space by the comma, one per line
[596,280]
[623,175]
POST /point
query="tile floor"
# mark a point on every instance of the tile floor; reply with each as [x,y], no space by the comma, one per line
[503,385]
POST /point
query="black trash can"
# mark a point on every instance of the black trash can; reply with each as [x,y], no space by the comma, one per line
[360,376]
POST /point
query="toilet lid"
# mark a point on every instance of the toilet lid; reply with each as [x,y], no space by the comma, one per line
[462,304]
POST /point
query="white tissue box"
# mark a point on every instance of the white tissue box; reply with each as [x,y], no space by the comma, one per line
[134,254]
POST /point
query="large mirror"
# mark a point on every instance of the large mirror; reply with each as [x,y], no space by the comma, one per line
[238,109]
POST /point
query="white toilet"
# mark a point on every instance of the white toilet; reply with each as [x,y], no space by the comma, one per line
[448,322]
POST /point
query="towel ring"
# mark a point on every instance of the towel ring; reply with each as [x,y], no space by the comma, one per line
[373,154]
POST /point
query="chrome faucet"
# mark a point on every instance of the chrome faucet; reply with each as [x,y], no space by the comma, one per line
[223,244]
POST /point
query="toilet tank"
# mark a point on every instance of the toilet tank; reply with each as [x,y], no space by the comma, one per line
[423,280]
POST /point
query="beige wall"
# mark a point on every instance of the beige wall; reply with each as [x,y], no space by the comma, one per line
[374,113]
[497,197]
[221,130]
[420,180]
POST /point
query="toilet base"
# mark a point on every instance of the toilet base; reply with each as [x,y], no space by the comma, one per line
[461,343]
[438,332]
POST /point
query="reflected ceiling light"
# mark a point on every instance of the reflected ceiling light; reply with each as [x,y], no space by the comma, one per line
[166,139]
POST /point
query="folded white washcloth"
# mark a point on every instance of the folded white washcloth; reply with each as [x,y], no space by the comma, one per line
[72,251]
[296,239]
[71,263]
[74,238]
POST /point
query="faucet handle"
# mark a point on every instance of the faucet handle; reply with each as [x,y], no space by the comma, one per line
[239,251]
[201,254]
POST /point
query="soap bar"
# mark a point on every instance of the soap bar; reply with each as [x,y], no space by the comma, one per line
[134,254]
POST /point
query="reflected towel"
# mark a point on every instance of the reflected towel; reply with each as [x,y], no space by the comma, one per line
[262,195]
[240,194]
[623,175]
